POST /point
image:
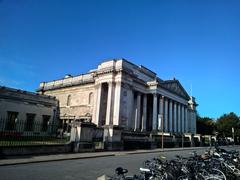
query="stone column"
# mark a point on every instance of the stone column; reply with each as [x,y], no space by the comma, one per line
[137,112]
[183,119]
[175,117]
[160,105]
[166,120]
[130,108]
[160,110]
[179,117]
[194,122]
[170,116]
[144,116]
[117,101]
[154,117]
[189,121]
[163,113]
[110,103]
[97,104]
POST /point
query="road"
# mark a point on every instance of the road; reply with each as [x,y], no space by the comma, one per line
[83,169]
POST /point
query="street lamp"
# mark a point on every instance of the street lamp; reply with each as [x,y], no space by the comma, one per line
[182,139]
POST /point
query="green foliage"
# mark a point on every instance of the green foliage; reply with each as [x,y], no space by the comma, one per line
[225,124]
[205,126]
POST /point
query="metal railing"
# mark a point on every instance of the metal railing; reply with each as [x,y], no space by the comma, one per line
[21,133]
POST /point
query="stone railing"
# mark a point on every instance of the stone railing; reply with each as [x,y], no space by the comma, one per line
[70,81]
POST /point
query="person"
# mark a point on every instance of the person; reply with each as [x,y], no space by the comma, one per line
[1,153]
[60,133]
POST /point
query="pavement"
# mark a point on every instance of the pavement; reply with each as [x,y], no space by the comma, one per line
[14,160]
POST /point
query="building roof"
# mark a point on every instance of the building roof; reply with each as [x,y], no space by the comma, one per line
[26,96]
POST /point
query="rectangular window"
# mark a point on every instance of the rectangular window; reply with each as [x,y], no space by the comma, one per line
[29,122]
[11,120]
[45,122]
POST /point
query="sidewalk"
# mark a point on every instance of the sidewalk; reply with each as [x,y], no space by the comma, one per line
[61,157]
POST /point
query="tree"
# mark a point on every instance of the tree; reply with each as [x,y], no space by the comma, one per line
[205,125]
[225,124]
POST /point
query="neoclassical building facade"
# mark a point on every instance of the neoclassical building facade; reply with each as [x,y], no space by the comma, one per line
[121,94]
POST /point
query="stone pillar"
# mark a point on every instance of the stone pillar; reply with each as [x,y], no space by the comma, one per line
[186,119]
[154,117]
[82,133]
[166,120]
[117,101]
[179,117]
[189,121]
[160,112]
[97,104]
[183,119]
[130,108]
[170,116]
[144,116]
[137,112]
[175,117]
[194,122]
[110,103]
[160,105]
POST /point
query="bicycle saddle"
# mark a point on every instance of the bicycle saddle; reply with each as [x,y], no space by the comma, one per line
[120,170]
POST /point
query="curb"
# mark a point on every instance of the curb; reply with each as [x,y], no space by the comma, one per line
[53,160]
[164,150]
[119,153]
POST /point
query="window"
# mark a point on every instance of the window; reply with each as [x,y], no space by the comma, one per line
[68,100]
[11,120]
[45,122]
[29,122]
[90,99]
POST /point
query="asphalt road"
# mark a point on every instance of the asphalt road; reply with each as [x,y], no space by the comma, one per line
[83,169]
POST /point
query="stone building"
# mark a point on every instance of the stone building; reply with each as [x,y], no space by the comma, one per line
[26,112]
[120,94]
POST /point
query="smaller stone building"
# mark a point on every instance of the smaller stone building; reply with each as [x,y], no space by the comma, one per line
[26,112]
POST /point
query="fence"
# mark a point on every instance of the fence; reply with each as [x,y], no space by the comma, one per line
[22,133]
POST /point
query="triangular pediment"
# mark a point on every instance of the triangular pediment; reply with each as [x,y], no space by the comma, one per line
[176,87]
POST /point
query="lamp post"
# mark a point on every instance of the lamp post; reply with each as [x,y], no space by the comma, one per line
[233,135]
[182,140]
[215,142]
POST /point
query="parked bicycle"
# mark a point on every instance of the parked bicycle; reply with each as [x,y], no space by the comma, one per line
[215,164]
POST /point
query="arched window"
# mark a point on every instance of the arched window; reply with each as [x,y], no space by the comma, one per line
[68,100]
[90,98]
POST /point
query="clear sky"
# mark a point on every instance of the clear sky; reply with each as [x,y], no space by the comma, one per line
[196,41]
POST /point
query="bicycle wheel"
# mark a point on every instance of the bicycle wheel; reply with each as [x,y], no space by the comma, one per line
[215,174]
[184,177]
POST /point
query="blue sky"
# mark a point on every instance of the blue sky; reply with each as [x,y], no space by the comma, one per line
[196,41]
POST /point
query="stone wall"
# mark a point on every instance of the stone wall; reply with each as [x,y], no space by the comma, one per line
[36,150]
[81,100]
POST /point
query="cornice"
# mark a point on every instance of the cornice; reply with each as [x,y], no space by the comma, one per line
[62,86]
[50,102]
